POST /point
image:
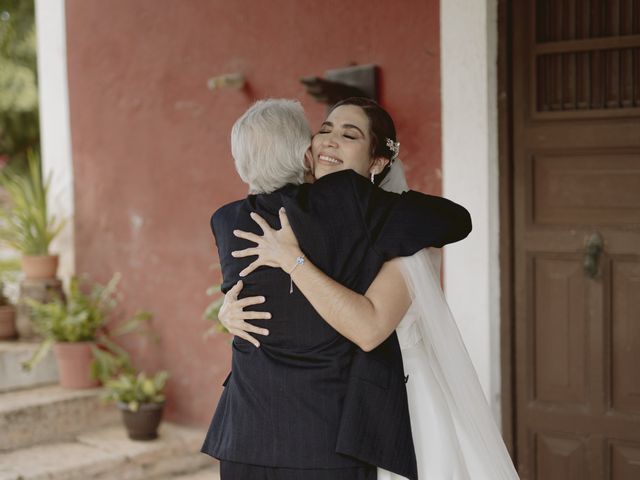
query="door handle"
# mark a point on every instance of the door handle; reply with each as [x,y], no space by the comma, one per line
[594,247]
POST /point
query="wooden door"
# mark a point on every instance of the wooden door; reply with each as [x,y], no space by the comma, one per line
[576,180]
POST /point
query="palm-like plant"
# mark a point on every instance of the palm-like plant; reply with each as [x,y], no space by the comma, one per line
[25,225]
[83,318]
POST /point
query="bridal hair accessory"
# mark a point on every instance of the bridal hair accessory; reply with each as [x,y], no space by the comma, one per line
[394,147]
[299,261]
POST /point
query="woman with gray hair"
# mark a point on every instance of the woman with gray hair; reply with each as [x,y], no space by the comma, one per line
[454,433]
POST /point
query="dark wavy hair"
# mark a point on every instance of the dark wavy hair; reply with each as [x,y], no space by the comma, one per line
[381,127]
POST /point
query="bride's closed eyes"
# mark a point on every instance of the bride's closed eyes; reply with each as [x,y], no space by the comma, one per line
[351,132]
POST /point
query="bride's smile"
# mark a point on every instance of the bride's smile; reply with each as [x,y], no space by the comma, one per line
[327,160]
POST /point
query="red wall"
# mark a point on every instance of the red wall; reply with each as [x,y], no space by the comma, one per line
[150,142]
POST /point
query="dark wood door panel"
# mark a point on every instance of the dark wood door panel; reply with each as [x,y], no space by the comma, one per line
[624,461]
[562,20]
[559,331]
[576,199]
[560,457]
[597,188]
[583,58]
[585,134]
[575,83]
[625,335]
[559,238]
[545,417]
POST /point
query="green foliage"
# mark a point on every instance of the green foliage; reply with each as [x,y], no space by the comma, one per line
[79,318]
[9,268]
[135,390]
[213,309]
[19,124]
[109,358]
[25,224]
[84,317]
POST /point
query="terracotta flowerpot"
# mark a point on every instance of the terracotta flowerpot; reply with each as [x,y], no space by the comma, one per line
[74,364]
[143,423]
[7,322]
[39,266]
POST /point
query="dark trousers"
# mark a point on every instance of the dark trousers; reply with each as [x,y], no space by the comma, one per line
[242,471]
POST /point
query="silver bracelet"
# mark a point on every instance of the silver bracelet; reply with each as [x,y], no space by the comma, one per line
[299,261]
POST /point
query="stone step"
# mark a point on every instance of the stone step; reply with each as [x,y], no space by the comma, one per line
[41,414]
[13,377]
[107,453]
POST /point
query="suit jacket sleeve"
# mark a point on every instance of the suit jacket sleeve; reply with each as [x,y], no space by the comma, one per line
[217,224]
[402,224]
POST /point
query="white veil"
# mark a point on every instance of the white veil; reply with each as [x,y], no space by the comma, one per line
[477,431]
[395,180]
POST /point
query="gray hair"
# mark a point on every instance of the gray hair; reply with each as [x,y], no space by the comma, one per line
[268,144]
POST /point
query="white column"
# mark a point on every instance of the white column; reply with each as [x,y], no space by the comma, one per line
[469,35]
[55,134]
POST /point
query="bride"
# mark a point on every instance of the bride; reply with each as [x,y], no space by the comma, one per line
[455,436]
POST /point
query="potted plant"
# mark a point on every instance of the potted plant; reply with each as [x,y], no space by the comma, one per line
[25,224]
[78,332]
[141,401]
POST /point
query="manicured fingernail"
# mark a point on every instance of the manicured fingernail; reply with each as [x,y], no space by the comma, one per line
[282,209]
[233,254]
[266,332]
[262,299]
[235,232]
[242,274]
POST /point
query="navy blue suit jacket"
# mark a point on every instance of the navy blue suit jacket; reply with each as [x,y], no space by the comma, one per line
[308,397]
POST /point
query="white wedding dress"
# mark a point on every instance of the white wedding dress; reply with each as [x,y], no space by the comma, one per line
[454,433]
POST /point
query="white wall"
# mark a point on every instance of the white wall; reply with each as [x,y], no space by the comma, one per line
[469,45]
[54,123]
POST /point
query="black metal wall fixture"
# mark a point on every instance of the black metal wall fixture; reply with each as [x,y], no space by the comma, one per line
[340,83]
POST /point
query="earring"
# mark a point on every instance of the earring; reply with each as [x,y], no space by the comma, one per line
[372,177]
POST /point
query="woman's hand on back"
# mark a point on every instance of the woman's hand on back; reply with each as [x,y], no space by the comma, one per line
[275,248]
[233,316]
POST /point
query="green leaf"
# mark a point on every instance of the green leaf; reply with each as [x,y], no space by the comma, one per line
[160,380]
[133,323]
[148,388]
[27,226]
[38,355]
[131,387]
